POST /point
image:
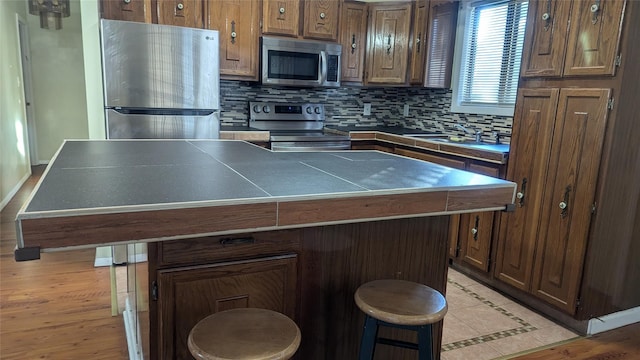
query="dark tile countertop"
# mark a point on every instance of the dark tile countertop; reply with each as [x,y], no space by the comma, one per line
[126,184]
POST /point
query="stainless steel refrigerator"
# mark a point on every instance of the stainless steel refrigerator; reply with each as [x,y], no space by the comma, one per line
[160,81]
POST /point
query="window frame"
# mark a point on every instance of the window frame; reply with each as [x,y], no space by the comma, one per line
[464,12]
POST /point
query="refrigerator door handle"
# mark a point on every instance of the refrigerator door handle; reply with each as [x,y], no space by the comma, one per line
[154,126]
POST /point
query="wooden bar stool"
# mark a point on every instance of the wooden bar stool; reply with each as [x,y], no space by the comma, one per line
[400,304]
[244,334]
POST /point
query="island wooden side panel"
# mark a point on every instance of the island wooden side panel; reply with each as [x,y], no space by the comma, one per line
[332,262]
[336,259]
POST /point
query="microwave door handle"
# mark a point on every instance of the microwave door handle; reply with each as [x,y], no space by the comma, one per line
[323,67]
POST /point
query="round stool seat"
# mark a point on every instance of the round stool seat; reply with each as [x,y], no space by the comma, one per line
[246,333]
[401,302]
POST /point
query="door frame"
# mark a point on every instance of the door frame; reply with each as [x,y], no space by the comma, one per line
[24,52]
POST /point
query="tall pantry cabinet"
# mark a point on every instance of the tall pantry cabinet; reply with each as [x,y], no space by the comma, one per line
[575,154]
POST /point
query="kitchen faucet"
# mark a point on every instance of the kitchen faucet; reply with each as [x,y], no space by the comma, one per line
[477,133]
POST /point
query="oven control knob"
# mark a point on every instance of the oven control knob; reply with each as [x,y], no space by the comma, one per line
[256,108]
[309,110]
[317,110]
[266,109]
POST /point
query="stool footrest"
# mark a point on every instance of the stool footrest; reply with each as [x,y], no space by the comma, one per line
[399,343]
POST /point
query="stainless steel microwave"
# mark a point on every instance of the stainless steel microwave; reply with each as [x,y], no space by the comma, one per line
[300,62]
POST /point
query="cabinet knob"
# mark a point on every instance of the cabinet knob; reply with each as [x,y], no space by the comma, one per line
[126,1]
[323,15]
[519,195]
[474,231]
[546,16]
[563,205]
[595,8]
[281,10]
[180,6]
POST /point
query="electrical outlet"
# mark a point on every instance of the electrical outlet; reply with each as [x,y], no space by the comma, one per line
[405,110]
[367,109]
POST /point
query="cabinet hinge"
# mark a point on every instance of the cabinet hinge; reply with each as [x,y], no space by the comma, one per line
[260,24]
[594,206]
[154,291]
[610,103]
[577,302]
[618,60]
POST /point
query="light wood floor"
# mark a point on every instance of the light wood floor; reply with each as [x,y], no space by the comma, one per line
[59,307]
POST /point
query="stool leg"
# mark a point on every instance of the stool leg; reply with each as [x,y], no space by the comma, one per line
[369,336]
[425,351]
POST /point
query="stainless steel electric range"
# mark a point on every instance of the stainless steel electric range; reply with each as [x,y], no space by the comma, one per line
[295,126]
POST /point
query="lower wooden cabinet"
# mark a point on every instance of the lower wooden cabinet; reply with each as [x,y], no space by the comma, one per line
[477,229]
[542,244]
[471,235]
[189,294]
[190,279]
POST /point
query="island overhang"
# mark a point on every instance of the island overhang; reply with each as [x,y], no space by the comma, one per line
[105,192]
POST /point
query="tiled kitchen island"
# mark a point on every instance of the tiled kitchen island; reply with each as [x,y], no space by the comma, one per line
[323,222]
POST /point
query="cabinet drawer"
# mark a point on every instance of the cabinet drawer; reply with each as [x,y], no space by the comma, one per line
[210,249]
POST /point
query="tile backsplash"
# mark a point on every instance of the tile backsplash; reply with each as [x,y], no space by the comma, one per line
[428,108]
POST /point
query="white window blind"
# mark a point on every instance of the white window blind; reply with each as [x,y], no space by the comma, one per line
[490,64]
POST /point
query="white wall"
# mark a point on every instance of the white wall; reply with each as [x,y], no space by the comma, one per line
[93,68]
[58,82]
[14,156]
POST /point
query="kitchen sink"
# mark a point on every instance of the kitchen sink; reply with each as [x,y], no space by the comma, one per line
[431,136]
[463,142]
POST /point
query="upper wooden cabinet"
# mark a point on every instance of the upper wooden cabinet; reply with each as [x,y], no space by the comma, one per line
[187,13]
[577,38]
[321,19]
[280,17]
[238,22]
[388,44]
[353,37]
[443,17]
[127,10]
[418,42]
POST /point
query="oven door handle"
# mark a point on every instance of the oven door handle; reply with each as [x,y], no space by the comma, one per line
[323,67]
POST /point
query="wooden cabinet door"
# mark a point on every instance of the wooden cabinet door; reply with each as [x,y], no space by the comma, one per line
[187,13]
[388,45]
[443,17]
[353,37]
[281,17]
[189,294]
[476,229]
[238,22]
[419,42]
[570,195]
[545,38]
[594,37]
[321,19]
[133,10]
[528,159]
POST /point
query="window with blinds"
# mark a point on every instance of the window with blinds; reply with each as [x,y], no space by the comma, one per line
[489,65]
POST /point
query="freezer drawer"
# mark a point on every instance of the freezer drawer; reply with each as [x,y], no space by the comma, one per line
[142,126]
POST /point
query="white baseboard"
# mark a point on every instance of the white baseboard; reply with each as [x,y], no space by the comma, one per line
[613,321]
[132,332]
[14,191]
